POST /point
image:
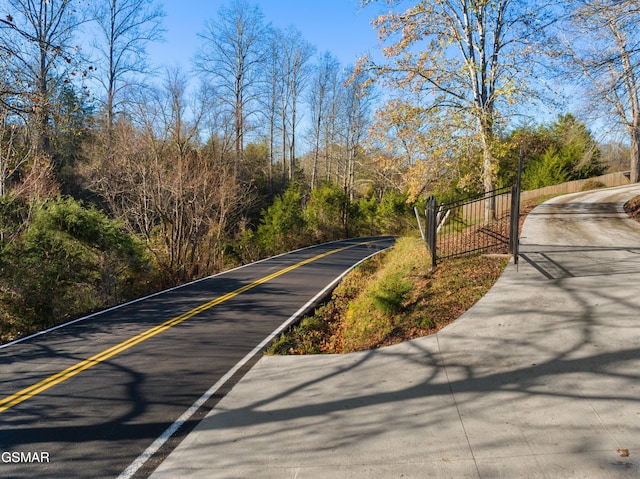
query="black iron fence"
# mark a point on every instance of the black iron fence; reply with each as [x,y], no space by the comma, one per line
[487,223]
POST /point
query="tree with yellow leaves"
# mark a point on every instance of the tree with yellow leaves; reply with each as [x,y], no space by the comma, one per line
[470,60]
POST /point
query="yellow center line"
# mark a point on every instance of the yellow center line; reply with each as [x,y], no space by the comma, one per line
[31,391]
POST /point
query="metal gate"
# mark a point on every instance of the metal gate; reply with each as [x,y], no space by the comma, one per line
[487,223]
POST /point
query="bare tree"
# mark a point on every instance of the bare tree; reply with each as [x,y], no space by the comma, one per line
[230,58]
[168,188]
[332,127]
[357,109]
[319,103]
[38,57]
[272,86]
[283,79]
[602,53]
[296,54]
[10,157]
[126,27]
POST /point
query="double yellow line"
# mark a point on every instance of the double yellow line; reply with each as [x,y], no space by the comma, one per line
[37,388]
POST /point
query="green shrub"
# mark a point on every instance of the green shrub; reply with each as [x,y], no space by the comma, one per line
[389,215]
[282,227]
[363,215]
[394,213]
[70,260]
[573,155]
[328,215]
[304,338]
[390,292]
[551,169]
[325,212]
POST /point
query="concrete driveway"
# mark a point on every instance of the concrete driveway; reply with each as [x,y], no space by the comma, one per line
[540,379]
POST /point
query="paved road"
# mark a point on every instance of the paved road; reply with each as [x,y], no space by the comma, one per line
[540,379]
[94,395]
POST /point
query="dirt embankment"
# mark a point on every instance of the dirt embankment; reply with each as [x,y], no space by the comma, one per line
[632,208]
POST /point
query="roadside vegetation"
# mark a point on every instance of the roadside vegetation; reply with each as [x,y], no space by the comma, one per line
[395,296]
[60,259]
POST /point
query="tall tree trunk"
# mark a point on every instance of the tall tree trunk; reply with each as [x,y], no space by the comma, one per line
[316,154]
[239,127]
[489,170]
[284,149]
[292,146]
[271,146]
[43,145]
[634,163]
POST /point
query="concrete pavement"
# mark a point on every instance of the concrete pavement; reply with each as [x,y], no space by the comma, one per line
[540,379]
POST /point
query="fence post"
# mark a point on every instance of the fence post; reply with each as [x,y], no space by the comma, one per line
[431,225]
[514,220]
[415,209]
[514,240]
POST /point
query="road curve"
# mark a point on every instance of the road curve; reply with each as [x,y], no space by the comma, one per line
[86,400]
[583,218]
[588,223]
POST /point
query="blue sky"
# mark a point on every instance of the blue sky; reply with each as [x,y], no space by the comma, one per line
[339,26]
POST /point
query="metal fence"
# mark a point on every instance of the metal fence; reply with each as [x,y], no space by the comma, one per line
[485,223]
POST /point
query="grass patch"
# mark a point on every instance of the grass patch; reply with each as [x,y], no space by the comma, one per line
[393,297]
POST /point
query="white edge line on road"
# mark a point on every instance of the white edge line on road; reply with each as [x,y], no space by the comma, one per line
[129,472]
[158,293]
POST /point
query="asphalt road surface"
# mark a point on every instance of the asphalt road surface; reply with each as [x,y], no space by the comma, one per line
[104,396]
